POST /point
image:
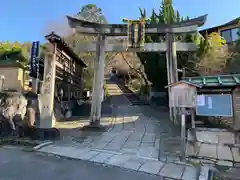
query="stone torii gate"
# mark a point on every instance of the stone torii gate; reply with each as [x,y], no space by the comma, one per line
[102,31]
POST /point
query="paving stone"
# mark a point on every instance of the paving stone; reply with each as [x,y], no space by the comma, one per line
[107,137]
[207,136]
[147,144]
[100,145]
[118,160]
[120,139]
[149,152]
[208,150]
[132,164]
[117,128]
[132,144]
[136,136]
[66,151]
[190,173]
[128,125]
[101,157]
[149,138]
[224,153]
[139,127]
[126,133]
[150,129]
[172,171]
[152,167]
[129,151]
[88,155]
[224,163]
[226,137]
[113,146]
[236,154]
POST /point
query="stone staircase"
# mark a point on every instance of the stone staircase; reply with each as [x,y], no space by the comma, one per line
[116,89]
[113,89]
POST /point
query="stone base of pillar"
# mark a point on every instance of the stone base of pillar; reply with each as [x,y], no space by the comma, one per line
[94,126]
[95,123]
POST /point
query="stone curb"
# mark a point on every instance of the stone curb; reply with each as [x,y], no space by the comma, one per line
[39,146]
[132,163]
[24,142]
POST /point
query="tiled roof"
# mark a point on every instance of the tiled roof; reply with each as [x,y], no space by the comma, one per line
[54,38]
[215,81]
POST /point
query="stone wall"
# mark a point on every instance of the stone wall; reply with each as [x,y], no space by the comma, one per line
[14,78]
[213,146]
[236,109]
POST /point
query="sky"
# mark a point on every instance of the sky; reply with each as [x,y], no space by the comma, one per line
[30,20]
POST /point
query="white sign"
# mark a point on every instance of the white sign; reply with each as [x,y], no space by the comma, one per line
[200,100]
[209,102]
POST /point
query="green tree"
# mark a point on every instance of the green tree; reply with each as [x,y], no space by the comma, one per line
[90,13]
[212,55]
[14,52]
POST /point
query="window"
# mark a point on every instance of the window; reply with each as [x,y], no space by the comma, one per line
[230,35]
[234,34]
[226,34]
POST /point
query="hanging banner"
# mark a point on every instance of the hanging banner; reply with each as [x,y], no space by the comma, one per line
[34,64]
[136,33]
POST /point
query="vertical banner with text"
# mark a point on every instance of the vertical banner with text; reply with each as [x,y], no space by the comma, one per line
[34,60]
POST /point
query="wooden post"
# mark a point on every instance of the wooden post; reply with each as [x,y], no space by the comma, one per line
[98,83]
[46,99]
[193,118]
[183,135]
[2,78]
[69,89]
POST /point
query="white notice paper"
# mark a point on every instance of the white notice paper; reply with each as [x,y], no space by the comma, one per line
[200,100]
[209,102]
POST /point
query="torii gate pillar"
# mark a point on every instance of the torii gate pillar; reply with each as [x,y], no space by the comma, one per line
[98,82]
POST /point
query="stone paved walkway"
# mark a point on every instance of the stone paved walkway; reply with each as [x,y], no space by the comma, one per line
[134,130]
[138,138]
[127,161]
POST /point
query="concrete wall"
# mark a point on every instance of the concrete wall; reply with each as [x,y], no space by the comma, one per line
[14,78]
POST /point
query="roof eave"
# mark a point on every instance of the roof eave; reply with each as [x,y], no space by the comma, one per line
[52,38]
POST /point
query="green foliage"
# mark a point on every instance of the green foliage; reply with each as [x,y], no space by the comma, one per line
[15,52]
[212,56]
[155,62]
[91,12]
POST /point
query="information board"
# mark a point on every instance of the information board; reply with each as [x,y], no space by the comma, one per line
[214,105]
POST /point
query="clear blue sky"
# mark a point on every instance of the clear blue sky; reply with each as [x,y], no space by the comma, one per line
[26,20]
